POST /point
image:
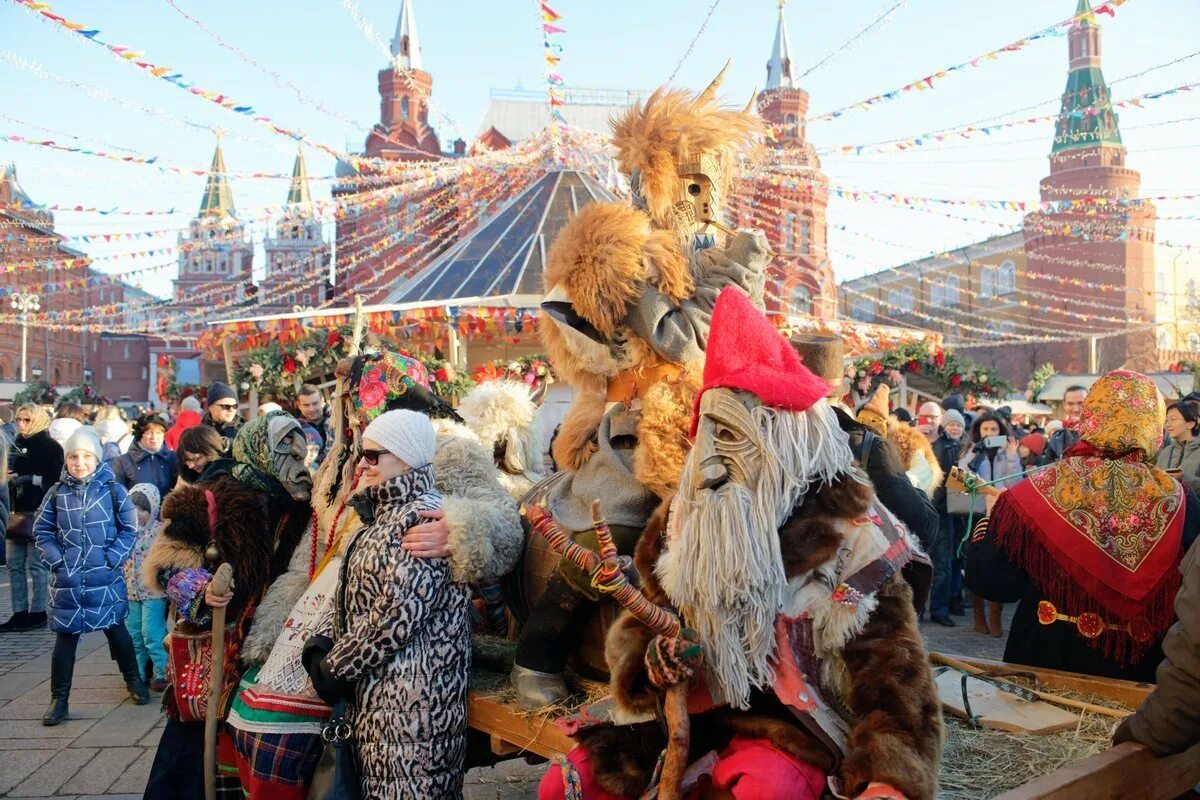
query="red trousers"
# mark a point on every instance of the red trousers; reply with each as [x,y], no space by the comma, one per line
[749,769]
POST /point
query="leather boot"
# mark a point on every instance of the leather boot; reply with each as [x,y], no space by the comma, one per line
[57,713]
[995,620]
[62,670]
[981,625]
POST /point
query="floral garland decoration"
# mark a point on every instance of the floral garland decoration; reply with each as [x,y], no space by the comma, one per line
[1037,381]
[39,392]
[951,372]
[86,394]
[533,371]
[168,388]
[276,369]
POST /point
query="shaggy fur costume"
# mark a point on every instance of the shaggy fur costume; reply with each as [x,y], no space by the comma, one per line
[504,417]
[909,441]
[896,732]
[245,535]
[605,256]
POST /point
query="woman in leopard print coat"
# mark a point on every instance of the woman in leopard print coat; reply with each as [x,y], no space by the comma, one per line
[401,646]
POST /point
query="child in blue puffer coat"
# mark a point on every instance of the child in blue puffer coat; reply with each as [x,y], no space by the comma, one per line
[84,531]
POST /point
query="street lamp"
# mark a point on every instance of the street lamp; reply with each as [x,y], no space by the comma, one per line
[25,303]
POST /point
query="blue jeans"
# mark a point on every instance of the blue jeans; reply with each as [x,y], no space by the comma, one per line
[147,626]
[24,556]
[943,554]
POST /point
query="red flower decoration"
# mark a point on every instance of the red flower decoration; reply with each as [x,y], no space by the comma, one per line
[442,375]
[289,365]
[939,357]
[334,339]
[956,381]
[876,367]
[912,365]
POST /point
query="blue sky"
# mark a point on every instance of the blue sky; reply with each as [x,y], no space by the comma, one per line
[472,46]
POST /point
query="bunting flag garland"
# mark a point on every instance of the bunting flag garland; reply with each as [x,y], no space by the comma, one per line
[967,132]
[552,56]
[926,83]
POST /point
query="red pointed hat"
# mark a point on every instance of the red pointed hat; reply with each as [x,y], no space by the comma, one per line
[745,352]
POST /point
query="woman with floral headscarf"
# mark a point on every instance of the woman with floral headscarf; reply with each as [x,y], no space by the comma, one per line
[1091,546]
[249,512]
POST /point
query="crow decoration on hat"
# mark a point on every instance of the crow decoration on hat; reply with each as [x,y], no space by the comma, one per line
[630,291]
[799,631]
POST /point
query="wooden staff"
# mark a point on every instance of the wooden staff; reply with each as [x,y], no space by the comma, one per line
[220,586]
[608,576]
[938,658]
[356,335]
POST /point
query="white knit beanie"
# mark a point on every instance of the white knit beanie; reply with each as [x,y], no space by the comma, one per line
[406,434]
[190,403]
[62,428]
[84,438]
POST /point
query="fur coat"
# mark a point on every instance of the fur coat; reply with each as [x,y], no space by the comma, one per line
[485,543]
[885,680]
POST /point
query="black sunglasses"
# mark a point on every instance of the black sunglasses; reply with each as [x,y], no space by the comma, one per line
[226,406]
[371,456]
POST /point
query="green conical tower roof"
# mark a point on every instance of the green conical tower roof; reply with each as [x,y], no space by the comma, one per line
[298,193]
[218,199]
[1086,118]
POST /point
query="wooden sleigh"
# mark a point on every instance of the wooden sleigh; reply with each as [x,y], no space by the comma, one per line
[1125,772]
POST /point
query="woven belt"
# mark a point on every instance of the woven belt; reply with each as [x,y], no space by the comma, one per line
[1091,625]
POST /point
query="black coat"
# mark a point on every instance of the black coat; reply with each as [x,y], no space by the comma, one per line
[228,431]
[994,576]
[1059,442]
[946,451]
[892,484]
[34,455]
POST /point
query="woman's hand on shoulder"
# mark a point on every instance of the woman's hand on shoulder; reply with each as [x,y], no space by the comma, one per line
[429,539]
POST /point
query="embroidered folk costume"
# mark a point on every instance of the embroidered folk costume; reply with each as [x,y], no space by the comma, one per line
[1091,545]
[801,648]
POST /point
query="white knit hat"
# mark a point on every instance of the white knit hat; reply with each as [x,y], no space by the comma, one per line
[62,428]
[84,438]
[408,435]
[190,403]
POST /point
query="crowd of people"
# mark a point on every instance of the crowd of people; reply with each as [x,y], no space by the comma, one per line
[111,526]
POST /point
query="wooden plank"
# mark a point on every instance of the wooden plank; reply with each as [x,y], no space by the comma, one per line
[1000,710]
[1126,772]
[1127,693]
[527,734]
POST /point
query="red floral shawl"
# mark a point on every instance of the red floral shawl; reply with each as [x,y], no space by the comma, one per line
[1101,531]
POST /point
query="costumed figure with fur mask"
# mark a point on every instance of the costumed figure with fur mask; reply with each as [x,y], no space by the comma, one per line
[478,530]
[915,453]
[248,511]
[503,414]
[630,294]
[801,647]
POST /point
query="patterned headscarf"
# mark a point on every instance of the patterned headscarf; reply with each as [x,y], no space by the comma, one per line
[256,451]
[1122,413]
[388,381]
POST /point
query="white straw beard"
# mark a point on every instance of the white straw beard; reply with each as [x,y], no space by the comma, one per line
[722,567]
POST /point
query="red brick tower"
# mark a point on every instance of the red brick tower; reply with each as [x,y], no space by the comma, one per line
[800,278]
[381,236]
[1085,236]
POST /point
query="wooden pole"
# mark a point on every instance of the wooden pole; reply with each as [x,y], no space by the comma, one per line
[357,335]
[227,347]
[220,585]
[949,661]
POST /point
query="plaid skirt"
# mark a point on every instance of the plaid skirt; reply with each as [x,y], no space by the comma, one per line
[269,763]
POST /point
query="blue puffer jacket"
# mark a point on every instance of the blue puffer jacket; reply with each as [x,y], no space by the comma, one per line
[84,532]
[138,466]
